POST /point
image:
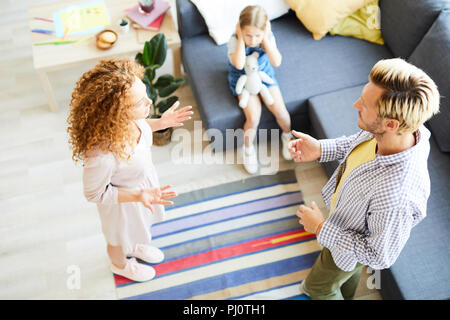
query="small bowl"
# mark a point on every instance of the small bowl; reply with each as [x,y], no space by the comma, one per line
[103,45]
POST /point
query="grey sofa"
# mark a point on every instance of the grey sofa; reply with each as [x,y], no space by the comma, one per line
[320,80]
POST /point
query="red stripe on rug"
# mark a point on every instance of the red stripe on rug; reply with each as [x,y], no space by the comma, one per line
[226,252]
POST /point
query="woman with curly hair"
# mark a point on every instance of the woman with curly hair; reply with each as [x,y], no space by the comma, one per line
[109,133]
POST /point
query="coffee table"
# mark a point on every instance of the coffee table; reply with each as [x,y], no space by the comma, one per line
[50,58]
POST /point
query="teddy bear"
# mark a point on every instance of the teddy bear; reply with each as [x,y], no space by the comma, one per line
[252,82]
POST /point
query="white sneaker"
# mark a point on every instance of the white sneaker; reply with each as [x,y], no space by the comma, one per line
[250,161]
[135,271]
[148,253]
[284,146]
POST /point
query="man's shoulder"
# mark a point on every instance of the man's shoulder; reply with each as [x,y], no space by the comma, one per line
[401,185]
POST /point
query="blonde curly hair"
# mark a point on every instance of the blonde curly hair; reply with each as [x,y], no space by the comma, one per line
[100,109]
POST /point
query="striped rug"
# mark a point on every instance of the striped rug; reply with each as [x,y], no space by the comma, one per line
[239,240]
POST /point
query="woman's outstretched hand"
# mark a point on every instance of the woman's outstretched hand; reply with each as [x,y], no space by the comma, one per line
[156,196]
[175,118]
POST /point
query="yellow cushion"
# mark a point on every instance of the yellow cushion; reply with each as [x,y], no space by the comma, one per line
[319,16]
[363,24]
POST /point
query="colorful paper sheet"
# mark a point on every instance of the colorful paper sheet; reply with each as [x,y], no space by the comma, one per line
[81,19]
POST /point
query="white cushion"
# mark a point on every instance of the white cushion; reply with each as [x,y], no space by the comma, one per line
[221,16]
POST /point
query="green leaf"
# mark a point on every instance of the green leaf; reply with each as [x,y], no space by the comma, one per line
[151,93]
[159,45]
[138,58]
[166,104]
[167,91]
[146,80]
[147,54]
[181,80]
[164,81]
[148,75]
[150,71]
[152,67]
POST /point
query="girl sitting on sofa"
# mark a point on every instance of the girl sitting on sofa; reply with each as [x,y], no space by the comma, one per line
[253,33]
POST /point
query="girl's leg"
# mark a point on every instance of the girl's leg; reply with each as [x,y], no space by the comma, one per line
[116,256]
[278,109]
[252,116]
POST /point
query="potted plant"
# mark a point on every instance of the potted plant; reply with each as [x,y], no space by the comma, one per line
[152,58]
[146,6]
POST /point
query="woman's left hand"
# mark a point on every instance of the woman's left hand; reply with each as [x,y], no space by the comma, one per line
[151,196]
[175,118]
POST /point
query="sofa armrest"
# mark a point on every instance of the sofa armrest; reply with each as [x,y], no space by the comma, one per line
[190,21]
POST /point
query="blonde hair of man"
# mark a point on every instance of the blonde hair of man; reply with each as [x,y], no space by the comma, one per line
[410,95]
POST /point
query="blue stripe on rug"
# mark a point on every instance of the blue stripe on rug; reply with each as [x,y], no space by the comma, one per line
[231,279]
[231,244]
[261,291]
[224,220]
[228,231]
[299,297]
[229,206]
[227,194]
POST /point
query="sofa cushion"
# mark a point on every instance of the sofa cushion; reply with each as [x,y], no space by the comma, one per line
[309,68]
[422,271]
[362,24]
[221,16]
[332,115]
[405,22]
[320,16]
[190,21]
[432,56]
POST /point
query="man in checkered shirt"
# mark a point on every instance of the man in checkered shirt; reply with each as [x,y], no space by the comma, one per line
[380,190]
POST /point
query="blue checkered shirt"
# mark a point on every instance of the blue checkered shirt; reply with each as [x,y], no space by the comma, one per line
[378,203]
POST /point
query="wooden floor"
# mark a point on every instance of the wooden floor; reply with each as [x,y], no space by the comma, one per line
[46,225]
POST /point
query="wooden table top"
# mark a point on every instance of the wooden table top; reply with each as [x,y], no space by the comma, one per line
[54,57]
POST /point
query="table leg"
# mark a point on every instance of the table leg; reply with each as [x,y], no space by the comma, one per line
[176,54]
[48,90]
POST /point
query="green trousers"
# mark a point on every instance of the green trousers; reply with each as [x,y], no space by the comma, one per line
[327,282]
